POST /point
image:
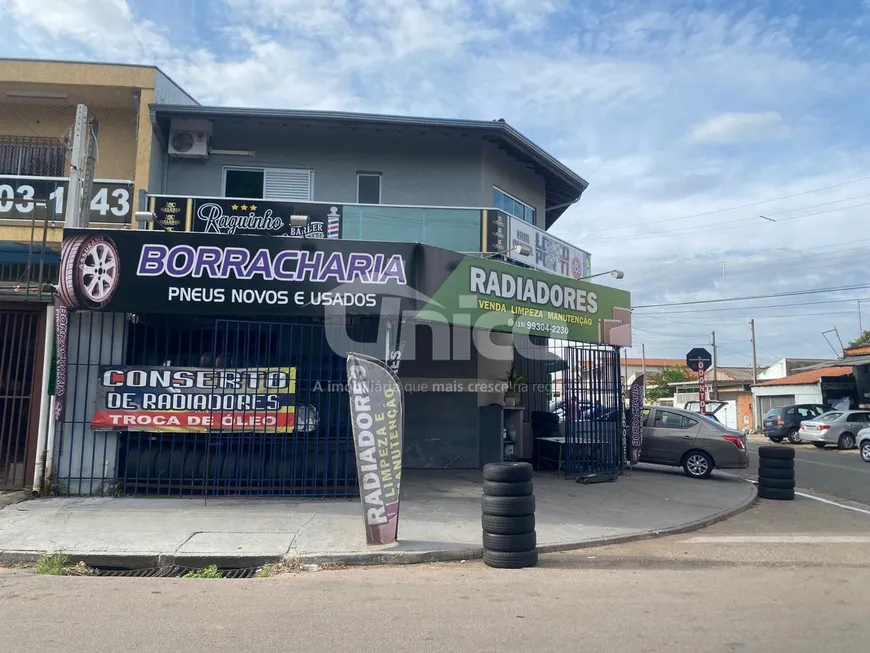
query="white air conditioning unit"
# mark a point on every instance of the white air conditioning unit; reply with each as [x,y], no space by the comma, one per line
[189,139]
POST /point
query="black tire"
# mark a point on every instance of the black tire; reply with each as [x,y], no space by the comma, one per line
[776,483]
[775,463]
[507,472]
[498,489]
[69,252]
[694,467]
[819,445]
[846,441]
[508,506]
[500,525]
[777,440]
[510,559]
[793,437]
[510,543]
[781,453]
[865,451]
[777,474]
[776,495]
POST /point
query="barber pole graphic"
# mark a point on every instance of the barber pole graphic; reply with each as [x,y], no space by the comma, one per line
[333,223]
[702,388]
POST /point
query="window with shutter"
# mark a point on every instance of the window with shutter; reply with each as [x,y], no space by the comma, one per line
[287,184]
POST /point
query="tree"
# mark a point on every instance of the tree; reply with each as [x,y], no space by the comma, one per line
[657,385]
[863,339]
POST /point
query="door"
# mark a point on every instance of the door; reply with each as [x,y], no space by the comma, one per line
[21,333]
[669,437]
[858,421]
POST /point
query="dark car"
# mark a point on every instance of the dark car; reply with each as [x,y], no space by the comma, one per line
[785,421]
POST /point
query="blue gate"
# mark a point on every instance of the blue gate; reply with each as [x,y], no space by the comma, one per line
[593,411]
[314,457]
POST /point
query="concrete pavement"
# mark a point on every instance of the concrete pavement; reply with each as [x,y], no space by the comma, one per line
[833,473]
[440,520]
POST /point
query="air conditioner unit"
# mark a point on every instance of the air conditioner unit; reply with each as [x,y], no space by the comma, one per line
[189,139]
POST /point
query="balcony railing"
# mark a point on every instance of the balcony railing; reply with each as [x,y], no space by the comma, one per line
[454,229]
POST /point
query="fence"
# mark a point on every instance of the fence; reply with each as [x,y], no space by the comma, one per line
[242,455]
[590,404]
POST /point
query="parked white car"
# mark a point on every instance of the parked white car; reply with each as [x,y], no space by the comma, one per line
[863,443]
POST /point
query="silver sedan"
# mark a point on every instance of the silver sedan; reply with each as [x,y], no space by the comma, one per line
[836,427]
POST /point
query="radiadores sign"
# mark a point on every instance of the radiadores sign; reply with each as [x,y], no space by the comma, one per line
[377,410]
[191,399]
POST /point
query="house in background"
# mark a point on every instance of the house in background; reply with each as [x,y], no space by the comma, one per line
[733,385]
[833,386]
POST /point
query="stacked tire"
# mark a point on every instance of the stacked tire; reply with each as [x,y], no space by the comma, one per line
[508,520]
[776,473]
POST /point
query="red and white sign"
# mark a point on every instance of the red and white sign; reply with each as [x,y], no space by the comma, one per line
[702,388]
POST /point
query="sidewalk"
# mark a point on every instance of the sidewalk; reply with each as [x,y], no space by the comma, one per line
[440,520]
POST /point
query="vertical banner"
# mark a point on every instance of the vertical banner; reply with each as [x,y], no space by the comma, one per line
[61,337]
[635,400]
[377,410]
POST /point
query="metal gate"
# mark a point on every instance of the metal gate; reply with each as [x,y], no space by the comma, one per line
[314,459]
[582,384]
[20,380]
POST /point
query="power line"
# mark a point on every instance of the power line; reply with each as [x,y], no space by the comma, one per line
[692,231]
[752,308]
[794,293]
[733,208]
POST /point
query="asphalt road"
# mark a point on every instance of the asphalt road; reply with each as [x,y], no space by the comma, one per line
[742,585]
[830,472]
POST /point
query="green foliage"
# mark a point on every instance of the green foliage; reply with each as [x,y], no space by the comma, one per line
[657,384]
[206,572]
[53,564]
[863,339]
[514,380]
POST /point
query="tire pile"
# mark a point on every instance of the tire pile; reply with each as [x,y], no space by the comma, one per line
[508,520]
[776,473]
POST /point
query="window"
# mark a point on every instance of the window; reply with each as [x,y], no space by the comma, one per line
[26,155]
[645,413]
[268,183]
[668,420]
[512,206]
[368,188]
[860,417]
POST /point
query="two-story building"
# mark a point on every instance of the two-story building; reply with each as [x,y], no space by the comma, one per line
[438,212]
[38,104]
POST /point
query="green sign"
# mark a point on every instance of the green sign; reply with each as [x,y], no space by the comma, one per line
[487,294]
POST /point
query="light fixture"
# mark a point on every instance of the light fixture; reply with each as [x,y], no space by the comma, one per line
[299,221]
[617,274]
[143,218]
[36,95]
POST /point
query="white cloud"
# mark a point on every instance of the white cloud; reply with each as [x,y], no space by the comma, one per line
[622,93]
[736,127]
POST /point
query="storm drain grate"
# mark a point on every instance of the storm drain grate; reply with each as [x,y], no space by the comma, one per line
[171,571]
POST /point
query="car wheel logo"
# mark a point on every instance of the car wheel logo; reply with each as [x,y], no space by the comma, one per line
[90,270]
[576,267]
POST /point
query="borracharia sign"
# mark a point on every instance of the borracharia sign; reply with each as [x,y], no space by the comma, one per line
[207,274]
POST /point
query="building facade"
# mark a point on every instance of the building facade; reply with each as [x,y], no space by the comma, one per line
[38,106]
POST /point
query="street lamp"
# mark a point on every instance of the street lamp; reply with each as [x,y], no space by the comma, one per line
[617,274]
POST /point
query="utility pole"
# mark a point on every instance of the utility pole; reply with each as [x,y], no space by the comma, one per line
[860,323]
[754,357]
[715,370]
[754,374]
[93,128]
[77,165]
[643,369]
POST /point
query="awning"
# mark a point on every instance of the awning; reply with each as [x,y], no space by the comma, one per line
[24,253]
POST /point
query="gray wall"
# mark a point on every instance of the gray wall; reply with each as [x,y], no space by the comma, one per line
[417,169]
[157,165]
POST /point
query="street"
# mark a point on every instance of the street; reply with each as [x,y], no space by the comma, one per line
[780,578]
[833,473]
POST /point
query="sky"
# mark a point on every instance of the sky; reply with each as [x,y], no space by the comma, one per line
[690,119]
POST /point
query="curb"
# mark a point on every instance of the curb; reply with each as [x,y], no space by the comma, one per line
[12,497]
[366,558]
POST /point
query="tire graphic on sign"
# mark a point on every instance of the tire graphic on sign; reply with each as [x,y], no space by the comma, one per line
[577,267]
[90,270]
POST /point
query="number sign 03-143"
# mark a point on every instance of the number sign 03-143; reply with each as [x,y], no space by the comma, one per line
[29,198]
